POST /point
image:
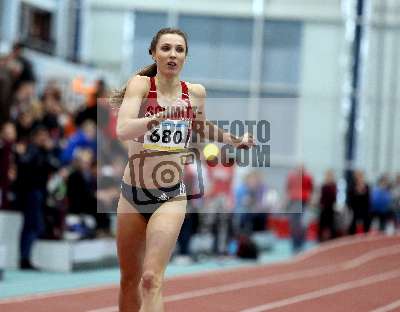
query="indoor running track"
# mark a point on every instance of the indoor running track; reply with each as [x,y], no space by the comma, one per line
[360,273]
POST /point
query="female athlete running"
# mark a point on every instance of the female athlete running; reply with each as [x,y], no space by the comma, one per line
[152,204]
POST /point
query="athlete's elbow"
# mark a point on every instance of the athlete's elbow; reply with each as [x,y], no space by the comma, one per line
[121,132]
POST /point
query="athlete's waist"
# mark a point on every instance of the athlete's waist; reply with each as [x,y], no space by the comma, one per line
[173,187]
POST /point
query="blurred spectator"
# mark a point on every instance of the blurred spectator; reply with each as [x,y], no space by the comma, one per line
[190,224]
[359,202]
[81,197]
[106,184]
[299,191]
[396,200]
[94,95]
[25,124]
[381,202]
[6,81]
[56,205]
[26,76]
[219,199]
[7,139]
[53,117]
[91,92]
[250,204]
[16,80]
[84,138]
[109,182]
[35,163]
[327,227]
[81,190]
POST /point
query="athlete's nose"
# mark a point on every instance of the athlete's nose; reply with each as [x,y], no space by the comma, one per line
[173,53]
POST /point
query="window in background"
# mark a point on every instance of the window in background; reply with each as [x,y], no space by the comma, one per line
[212,93]
[282,114]
[280,80]
[36,28]
[227,105]
[146,26]
[282,48]
[105,36]
[219,47]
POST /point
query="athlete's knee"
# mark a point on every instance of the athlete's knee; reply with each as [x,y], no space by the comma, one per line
[129,280]
[151,281]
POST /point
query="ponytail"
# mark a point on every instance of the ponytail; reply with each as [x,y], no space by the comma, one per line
[117,95]
[148,71]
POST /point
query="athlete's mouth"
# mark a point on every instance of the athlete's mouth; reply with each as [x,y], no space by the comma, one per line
[172,64]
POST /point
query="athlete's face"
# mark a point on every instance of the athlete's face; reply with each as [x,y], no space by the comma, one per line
[170,54]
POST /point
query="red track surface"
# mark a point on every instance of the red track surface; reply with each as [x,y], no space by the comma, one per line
[351,274]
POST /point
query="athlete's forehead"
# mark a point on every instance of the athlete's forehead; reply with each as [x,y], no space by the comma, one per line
[171,39]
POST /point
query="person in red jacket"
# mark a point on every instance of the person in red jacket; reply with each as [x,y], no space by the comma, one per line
[299,191]
[220,199]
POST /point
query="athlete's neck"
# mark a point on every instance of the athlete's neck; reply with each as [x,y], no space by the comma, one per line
[167,85]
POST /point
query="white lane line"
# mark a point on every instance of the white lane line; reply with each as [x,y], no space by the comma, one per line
[370,256]
[377,278]
[340,242]
[389,307]
[285,277]
[346,241]
[325,247]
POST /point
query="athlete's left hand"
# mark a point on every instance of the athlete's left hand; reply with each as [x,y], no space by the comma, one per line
[246,141]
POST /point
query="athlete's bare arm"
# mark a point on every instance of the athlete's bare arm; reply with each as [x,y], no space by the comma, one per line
[129,126]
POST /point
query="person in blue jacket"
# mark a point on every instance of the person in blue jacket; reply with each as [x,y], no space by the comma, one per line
[381,202]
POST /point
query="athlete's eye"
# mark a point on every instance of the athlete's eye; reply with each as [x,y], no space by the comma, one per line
[180,49]
[165,48]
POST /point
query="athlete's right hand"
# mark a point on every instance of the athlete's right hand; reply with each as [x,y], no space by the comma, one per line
[160,116]
[156,119]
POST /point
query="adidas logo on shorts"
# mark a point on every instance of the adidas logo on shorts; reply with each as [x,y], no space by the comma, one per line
[182,188]
[163,197]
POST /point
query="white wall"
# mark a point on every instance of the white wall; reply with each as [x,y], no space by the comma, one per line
[320,134]
[288,9]
[105,37]
[379,148]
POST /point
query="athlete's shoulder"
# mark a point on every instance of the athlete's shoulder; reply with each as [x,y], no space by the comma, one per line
[138,84]
[197,89]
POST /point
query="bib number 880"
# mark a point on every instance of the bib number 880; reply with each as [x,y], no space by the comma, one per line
[166,136]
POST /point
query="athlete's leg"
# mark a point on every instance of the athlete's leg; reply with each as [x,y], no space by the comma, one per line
[161,236]
[131,241]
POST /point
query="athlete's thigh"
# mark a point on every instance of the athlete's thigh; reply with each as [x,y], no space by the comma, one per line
[162,233]
[131,238]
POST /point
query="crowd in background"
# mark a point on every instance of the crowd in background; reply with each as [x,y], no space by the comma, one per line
[49,155]
[61,167]
[232,213]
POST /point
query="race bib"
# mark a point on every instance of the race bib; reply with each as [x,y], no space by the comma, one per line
[169,135]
